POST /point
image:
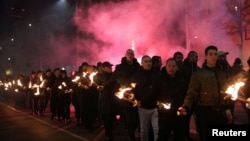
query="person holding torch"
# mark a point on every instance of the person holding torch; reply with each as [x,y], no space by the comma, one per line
[205,91]
[146,95]
[172,88]
[107,85]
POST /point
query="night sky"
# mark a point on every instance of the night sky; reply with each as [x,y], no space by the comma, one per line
[40,34]
[25,27]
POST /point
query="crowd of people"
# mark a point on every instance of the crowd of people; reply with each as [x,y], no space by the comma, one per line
[158,99]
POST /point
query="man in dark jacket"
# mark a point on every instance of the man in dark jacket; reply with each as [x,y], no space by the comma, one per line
[205,90]
[187,69]
[106,105]
[172,88]
[123,74]
[146,95]
[246,91]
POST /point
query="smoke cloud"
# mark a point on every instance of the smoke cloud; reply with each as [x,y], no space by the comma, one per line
[156,27]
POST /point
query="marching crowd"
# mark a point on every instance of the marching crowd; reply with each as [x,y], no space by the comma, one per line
[157,99]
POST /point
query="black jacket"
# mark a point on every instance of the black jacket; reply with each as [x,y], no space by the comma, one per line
[145,89]
[124,72]
[106,103]
[172,89]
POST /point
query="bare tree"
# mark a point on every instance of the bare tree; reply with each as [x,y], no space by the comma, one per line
[238,20]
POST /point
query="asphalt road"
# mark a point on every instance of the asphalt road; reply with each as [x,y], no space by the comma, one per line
[18,124]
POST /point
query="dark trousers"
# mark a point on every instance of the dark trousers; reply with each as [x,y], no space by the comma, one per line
[53,104]
[37,104]
[170,122]
[207,117]
[77,111]
[132,121]
[66,107]
[46,99]
[108,120]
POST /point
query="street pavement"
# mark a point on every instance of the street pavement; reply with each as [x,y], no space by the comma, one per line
[18,124]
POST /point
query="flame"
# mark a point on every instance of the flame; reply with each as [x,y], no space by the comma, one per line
[30,85]
[76,79]
[62,85]
[42,83]
[41,78]
[84,74]
[233,90]
[166,105]
[19,83]
[37,89]
[91,77]
[121,92]
[133,85]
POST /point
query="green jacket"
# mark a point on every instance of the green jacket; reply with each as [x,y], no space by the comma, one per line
[205,89]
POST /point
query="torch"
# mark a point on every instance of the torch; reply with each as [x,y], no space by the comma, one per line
[91,77]
[129,96]
[232,92]
[164,105]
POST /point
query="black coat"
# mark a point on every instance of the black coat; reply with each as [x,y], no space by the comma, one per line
[145,90]
[106,103]
[172,89]
[124,72]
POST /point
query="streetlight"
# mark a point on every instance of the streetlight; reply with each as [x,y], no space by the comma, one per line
[190,42]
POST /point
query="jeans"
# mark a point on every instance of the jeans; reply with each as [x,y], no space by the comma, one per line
[147,117]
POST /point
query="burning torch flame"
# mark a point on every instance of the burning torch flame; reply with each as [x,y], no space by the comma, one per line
[62,85]
[133,85]
[121,92]
[19,83]
[76,79]
[233,90]
[37,89]
[166,106]
[91,77]
[84,74]
[129,98]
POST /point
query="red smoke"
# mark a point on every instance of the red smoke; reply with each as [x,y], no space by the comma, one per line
[157,27]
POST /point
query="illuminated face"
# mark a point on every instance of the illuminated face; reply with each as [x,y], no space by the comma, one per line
[57,73]
[222,58]
[171,67]
[146,63]
[90,69]
[193,57]
[179,58]
[130,55]
[211,57]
